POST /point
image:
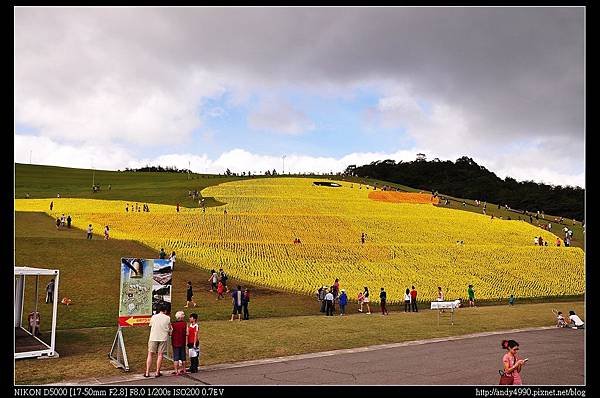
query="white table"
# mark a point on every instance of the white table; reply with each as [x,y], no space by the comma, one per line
[445,305]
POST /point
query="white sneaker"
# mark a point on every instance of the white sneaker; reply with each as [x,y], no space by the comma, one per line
[368,313]
[359,310]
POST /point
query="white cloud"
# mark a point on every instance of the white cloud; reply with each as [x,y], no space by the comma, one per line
[280,117]
[48,152]
[239,160]
[138,77]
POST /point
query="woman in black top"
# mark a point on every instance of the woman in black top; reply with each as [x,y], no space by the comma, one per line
[190,295]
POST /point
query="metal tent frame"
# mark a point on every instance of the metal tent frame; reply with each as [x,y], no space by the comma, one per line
[20,274]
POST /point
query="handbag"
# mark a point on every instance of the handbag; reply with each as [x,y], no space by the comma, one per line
[193,352]
[506,379]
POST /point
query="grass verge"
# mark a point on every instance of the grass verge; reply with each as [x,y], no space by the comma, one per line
[83,352]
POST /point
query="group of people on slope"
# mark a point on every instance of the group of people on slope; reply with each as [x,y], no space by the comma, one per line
[328,297]
[62,221]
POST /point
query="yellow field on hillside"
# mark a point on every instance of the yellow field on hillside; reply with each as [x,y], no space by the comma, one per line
[406,244]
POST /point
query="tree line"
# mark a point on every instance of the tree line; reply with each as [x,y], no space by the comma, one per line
[466,179]
[159,169]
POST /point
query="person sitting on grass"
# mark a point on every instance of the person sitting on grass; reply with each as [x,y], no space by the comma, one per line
[575,321]
[511,300]
[560,320]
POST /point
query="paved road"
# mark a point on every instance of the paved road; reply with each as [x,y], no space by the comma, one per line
[556,356]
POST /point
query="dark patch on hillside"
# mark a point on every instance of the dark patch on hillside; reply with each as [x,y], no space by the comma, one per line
[466,179]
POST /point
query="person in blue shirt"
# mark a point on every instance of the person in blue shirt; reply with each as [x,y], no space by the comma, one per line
[343,302]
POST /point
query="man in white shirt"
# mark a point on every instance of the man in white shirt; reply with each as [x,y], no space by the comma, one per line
[329,304]
[160,328]
[576,321]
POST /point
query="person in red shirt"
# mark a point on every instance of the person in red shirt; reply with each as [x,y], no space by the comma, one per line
[413,299]
[193,343]
[178,339]
[220,289]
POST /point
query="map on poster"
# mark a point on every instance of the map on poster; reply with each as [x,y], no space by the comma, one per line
[145,284]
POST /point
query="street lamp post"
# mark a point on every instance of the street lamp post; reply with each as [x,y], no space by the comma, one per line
[283,167]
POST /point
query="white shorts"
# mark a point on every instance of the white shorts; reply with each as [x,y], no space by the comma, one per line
[366,300]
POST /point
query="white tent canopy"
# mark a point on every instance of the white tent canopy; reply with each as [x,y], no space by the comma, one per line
[39,348]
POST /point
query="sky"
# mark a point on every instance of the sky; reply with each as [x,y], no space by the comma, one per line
[301,89]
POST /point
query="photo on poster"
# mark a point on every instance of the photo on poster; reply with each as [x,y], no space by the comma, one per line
[161,286]
[136,287]
[163,272]
[161,296]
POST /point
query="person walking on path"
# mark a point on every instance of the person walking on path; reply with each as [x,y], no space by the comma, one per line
[213,280]
[69,219]
[193,343]
[160,327]
[236,295]
[50,292]
[162,254]
[189,295]
[106,233]
[366,300]
[173,257]
[57,222]
[343,302]
[245,301]
[413,299]
[177,207]
[471,293]
[220,290]
[223,276]
[512,363]
[407,299]
[329,304]
[179,340]
[51,205]
[382,300]
[89,231]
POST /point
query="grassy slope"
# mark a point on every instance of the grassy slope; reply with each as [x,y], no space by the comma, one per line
[90,277]
[171,188]
[167,188]
[94,291]
[492,209]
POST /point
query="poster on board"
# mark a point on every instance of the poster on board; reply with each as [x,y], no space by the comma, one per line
[145,284]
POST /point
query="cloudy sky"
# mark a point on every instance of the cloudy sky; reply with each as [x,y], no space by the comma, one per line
[239,88]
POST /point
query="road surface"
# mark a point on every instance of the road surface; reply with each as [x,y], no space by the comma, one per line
[556,357]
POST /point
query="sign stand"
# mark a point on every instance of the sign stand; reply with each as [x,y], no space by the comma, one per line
[451,316]
[145,287]
[117,354]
